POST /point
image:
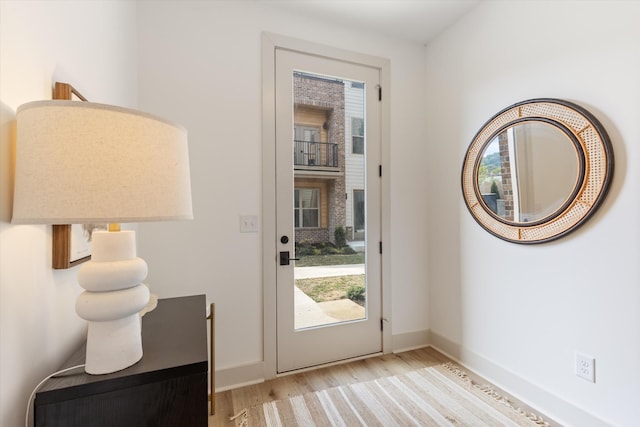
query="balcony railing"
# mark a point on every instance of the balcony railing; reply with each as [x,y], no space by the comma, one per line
[319,154]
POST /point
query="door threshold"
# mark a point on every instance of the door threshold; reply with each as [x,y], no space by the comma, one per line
[326,365]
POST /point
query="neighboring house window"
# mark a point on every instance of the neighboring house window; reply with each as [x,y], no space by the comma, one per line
[306,210]
[306,133]
[358,210]
[357,135]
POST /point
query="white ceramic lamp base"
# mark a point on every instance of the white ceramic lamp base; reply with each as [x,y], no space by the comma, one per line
[113,297]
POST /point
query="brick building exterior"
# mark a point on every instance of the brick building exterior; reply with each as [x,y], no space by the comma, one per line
[319,152]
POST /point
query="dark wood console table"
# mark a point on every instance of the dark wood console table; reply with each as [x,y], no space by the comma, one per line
[168,387]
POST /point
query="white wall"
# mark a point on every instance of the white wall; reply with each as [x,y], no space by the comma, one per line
[89,45]
[519,313]
[200,64]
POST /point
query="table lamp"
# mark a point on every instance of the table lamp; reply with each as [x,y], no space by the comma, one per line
[82,163]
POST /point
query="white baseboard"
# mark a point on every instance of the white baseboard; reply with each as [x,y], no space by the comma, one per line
[409,341]
[542,400]
[239,376]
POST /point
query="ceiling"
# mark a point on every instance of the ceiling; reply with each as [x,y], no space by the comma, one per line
[412,20]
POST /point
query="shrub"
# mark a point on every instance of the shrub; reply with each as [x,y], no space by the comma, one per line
[356,294]
[494,188]
[331,250]
[341,237]
[305,249]
[348,250]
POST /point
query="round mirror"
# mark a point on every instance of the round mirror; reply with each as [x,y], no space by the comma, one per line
[528,172]
[537,170]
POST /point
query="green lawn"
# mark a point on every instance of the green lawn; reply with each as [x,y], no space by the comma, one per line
[329,288]
[311,260]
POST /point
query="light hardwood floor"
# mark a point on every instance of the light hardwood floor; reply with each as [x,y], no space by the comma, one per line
[229,403]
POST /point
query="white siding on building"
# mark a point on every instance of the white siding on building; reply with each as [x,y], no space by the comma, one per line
[354,163]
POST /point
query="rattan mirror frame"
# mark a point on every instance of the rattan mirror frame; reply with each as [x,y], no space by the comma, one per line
[593,182]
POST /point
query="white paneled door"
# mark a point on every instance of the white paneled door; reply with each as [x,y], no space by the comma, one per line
[328,220]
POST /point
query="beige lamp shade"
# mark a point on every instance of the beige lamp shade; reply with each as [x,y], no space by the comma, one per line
[81,162]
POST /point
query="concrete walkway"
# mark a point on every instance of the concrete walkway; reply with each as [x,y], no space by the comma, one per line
[309,313]
[328,271]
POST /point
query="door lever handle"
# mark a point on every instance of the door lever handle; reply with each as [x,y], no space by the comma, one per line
[284,258]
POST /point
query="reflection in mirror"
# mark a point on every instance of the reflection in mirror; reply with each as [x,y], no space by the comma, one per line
[528,172]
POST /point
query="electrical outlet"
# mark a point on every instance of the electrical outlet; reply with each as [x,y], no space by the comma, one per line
[586,367]
[248,223]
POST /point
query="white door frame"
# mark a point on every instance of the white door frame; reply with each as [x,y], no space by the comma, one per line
[270,42]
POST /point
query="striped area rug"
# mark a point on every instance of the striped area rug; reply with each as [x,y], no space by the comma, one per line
[442,395]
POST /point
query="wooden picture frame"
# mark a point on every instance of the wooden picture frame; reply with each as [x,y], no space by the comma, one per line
[66,254]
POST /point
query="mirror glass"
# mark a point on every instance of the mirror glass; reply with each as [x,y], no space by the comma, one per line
[528,172]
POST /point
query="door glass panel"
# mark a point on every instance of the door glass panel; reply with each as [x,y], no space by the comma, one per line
[329,151]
